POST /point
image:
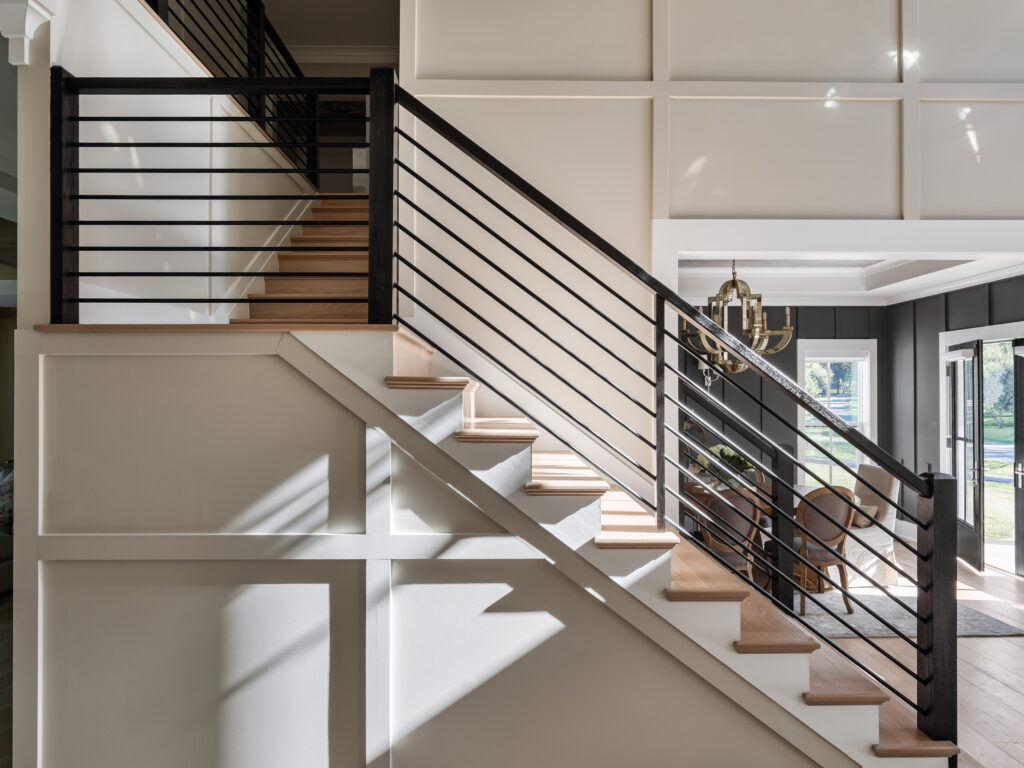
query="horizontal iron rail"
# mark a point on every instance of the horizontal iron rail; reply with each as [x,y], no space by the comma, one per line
[222,60]
[508,339]
[218,274]
[538,422]
[517,251]
[536,297]
[321,196]
[176,86]
[721,407]
[224,248]
[806,532]
[770,473]
[217,170]
[765,369]
[729,531]
[215,223]
[625,457]
[215,119]
[696,541]
[566,257]
[822,572]
[523,318]
[790,487]
[215,144]
[297,299]
[477,252]
[787,423]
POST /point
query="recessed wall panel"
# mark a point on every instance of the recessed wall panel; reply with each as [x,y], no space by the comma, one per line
[972,159]
[592,156]
[804,40]
[971,41]
[533,40]
[196,444]
[799,158]
[236,665]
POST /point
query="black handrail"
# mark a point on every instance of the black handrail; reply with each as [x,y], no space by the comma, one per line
[765,369]
[673,479]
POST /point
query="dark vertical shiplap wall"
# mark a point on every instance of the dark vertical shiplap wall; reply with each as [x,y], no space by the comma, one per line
[811,323]
[909,377]
[912,335]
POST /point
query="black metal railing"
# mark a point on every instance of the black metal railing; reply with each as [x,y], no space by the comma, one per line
[508,284]
[123,150]
[235,39]
[557,321]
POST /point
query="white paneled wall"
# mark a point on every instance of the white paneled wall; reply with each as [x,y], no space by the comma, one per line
[971,41]
[534,39]
[791,109]
[785,40]
[829,158]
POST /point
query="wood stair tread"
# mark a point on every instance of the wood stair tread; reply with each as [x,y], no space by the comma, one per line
[563,473]
[430,382]
[636,540]
[303,295]
[766,629]
[611,521]
[697,578]
[296,324]
[836,682]
[497,430]
[898,735]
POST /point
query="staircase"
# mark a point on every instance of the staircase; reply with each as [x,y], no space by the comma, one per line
[309,273]
[487,301]
[765,634]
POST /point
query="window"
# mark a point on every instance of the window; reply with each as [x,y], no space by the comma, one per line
[839,374]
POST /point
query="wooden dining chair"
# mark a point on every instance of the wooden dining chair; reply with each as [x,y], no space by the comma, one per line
[836,508]
[736,541]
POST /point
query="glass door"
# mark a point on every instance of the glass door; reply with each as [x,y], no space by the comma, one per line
[963,374]
[1018,453]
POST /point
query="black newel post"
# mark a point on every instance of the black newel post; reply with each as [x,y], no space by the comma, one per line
[782,522]
[936,606]
[382,187]
[63,197]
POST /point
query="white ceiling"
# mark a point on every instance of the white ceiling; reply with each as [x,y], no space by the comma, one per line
[335,22]
[837,262]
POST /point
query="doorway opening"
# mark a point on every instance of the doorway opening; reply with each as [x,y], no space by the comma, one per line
[998,446]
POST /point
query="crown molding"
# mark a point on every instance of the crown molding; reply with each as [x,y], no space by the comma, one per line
[19,20]
[345,54]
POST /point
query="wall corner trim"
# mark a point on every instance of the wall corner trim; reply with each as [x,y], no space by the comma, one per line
[19,20]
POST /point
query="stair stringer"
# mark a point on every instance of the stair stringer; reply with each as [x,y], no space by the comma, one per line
[629,582]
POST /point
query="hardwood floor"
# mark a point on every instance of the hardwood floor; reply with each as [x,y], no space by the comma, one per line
[6,624]
[991,672]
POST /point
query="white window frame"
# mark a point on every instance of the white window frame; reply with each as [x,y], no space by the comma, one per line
[836,350]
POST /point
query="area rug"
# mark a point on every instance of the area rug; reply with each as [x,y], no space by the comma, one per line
[970,623]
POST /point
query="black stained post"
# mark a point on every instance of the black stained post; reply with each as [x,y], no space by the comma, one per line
[382,194]
[936,606]
[64,164]
[782,523]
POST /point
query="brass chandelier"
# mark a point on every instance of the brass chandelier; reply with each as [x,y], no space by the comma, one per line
[755,331]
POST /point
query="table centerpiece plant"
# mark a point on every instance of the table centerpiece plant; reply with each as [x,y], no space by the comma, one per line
[724,455]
